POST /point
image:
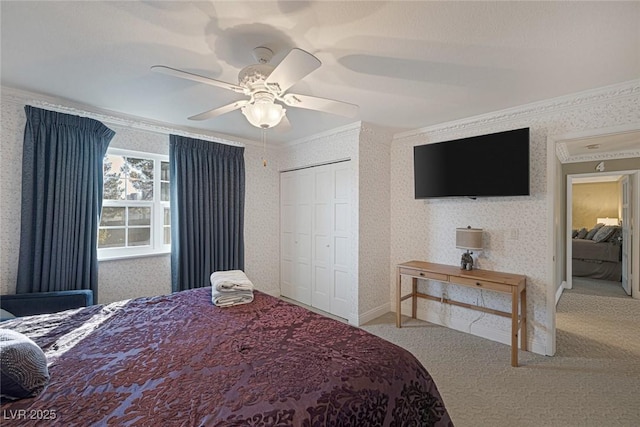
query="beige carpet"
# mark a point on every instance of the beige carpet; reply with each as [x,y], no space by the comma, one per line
[593,380]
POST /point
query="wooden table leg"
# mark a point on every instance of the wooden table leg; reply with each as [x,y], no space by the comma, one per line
[514,326]
[523,316]
[414,297]
[398,302]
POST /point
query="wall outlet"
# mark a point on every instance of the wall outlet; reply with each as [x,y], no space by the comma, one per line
[513,234]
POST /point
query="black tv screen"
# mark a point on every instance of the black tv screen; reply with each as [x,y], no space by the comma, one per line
[481,166]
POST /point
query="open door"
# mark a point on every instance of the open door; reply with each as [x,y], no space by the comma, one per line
[626,234]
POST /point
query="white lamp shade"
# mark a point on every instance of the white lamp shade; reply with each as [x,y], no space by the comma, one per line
[469,238]
[263,114]
[608,221]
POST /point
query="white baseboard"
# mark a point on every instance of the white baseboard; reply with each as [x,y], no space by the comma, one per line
[438,316]
[353,319]
[272,292]
[373,314]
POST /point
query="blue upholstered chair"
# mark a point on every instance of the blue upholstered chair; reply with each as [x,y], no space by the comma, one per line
[45,302]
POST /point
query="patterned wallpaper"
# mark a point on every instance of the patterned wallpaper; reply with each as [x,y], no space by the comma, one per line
[12,130]
[515,228]
[145,276]
[262,219]
[375,155]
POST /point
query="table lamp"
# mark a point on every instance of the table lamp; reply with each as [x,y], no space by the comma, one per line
[469,239]
[608,221]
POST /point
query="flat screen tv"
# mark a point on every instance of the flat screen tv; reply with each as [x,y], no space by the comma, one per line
[492,165]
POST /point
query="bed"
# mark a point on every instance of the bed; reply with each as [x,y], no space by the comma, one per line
[599,257]
[179,360]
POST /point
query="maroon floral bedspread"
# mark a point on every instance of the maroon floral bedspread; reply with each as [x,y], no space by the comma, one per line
[179,360]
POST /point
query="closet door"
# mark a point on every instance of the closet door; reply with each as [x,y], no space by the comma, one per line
[287,233]
[331,237]
[315,218]
[322,224]
[341,237]
[295,235]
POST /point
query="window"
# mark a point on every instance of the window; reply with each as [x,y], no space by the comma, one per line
[136,218]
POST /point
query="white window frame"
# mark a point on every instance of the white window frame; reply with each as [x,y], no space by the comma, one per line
[156,246]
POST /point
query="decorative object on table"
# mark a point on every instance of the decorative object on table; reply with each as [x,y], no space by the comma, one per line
[469,239]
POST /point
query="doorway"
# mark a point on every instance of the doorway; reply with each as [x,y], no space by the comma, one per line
[599,229]
[592,151]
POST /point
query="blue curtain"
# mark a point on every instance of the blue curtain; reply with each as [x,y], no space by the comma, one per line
[207,210]
[61,201]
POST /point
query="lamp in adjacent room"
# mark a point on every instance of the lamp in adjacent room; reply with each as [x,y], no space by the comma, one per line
[469,239]
[608,221]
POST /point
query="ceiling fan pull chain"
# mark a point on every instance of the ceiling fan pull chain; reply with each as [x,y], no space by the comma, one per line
[264,147]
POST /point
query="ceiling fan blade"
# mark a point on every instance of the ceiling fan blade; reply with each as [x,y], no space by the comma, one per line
[293,68]
[196,78]
[219,111]
[284,125]
[321,104]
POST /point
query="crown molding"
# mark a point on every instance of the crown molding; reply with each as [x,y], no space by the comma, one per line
[340,132]
[603,156]
[590,97]
[61,105]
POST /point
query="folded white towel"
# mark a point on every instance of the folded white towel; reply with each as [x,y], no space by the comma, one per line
[227,299]
[231,280]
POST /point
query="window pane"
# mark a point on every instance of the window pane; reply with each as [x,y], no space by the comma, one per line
[111,165]
[165,192]
[139,216]
[112,217]
[113,189]
[167,235]
[111,238]
[139,168]
[164,171]
[139,236]
[140,190]
[167,216]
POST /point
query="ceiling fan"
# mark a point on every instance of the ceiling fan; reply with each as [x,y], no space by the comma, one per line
[265,84]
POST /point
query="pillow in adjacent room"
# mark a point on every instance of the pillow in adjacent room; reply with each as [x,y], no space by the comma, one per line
[593,231]
[23,366]
[574,233]
[582,233]
[616,237]
[604,233]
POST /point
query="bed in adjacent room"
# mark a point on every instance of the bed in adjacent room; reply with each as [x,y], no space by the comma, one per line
[179,360]
[598,256]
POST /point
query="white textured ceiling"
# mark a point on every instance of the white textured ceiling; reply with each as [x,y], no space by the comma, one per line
[406,64]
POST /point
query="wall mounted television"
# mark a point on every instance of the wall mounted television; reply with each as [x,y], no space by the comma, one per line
[494,165]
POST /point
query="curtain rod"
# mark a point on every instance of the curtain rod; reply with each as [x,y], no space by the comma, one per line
[130,123]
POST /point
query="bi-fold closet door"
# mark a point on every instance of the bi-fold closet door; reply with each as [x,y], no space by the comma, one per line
[315,219]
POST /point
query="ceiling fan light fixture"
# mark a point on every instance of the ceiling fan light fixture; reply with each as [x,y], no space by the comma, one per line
[264,115]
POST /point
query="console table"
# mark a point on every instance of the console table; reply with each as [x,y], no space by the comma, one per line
[513,284]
